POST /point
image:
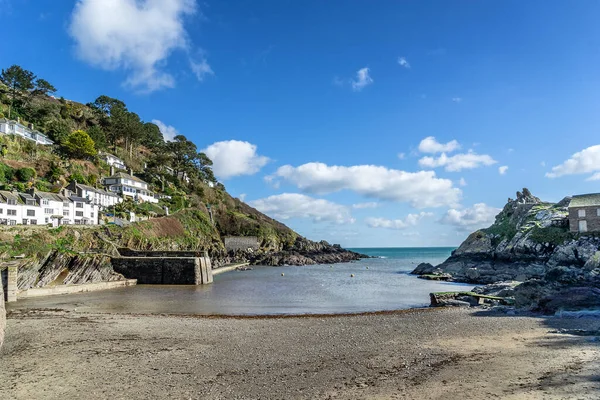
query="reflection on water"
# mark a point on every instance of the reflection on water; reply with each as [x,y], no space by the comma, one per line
[378,284]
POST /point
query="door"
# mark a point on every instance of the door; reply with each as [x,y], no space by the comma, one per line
[582,226]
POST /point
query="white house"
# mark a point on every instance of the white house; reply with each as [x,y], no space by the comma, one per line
[9,127]
[43,208]
[113,161]
[84,211]
[99,197]
[129,186]
[10,208]
[55,208]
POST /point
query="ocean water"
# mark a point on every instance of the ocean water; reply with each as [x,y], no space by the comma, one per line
[379,284]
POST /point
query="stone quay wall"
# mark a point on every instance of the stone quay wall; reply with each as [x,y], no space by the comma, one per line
[165,270]
[233,243]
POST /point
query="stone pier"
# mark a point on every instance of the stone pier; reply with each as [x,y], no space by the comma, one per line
[9,283]
[164,268]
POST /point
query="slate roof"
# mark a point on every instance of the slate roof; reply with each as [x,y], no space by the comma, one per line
[51,196]
[9,195]
[95,190]
[123,175]
[585,200]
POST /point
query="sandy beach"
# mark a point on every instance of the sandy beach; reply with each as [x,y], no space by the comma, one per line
[418,354]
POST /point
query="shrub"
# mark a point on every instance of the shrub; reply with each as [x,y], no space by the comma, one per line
[7,174]
[80,145]
[25,174]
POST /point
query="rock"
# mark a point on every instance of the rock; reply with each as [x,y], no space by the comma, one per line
[500,289]
[453,303]
[423,268]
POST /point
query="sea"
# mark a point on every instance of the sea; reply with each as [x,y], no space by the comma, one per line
[374,284]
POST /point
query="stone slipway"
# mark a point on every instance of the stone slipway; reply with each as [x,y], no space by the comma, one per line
[70,289]
[228,267]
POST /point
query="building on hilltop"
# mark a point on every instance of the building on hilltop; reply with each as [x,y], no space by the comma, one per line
[99,197]
[9,127]
[584,213]
[113,161]
[129,186]
[43,208]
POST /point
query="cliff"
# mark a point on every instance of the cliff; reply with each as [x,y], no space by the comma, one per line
[530,242]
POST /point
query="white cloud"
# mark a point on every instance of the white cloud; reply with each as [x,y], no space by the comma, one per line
[408,221]
[362,79]
[543,163]
[582,162]
[458,162]
[462,182]
[402,156]
[502,170]
[371,204]
[457,99]
[294,205]
[431,145]
[169,132]
[135,35]
[201,69]
[476,217]
[242,197]
[595,177]
[403,63]
[234,157]
[421,189]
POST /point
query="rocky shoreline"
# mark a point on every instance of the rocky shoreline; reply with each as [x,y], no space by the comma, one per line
[530,248]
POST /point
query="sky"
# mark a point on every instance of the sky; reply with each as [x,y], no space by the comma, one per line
[369,124]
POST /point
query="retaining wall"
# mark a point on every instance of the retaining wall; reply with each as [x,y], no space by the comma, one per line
[233,243]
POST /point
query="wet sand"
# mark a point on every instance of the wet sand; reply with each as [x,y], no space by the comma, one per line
[422,354]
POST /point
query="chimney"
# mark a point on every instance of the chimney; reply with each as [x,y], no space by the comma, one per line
[131,171]
[30,126]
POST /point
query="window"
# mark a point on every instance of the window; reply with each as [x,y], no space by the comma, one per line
[47,220]
[66,204]
[66,213]
[12,202]
[30,202]
[31,213]
[11,212]
[34,222]
[581,213]
[48,210]
[79,213]
[91,215]
[45,202]
[79,205]
[1,211]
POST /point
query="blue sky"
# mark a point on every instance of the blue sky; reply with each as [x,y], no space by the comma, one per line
[362,123]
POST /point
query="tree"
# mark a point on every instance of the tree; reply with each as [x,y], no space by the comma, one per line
[43,87]
[80,145]
[187,159]
[98,136]
[18,80]
[152,137]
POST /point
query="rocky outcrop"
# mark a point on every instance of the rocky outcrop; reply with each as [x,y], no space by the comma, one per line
[65,268]
[530,242]
[303,252]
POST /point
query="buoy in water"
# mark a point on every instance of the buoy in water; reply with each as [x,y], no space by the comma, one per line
[282,274]
[367,267]
[351,275]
